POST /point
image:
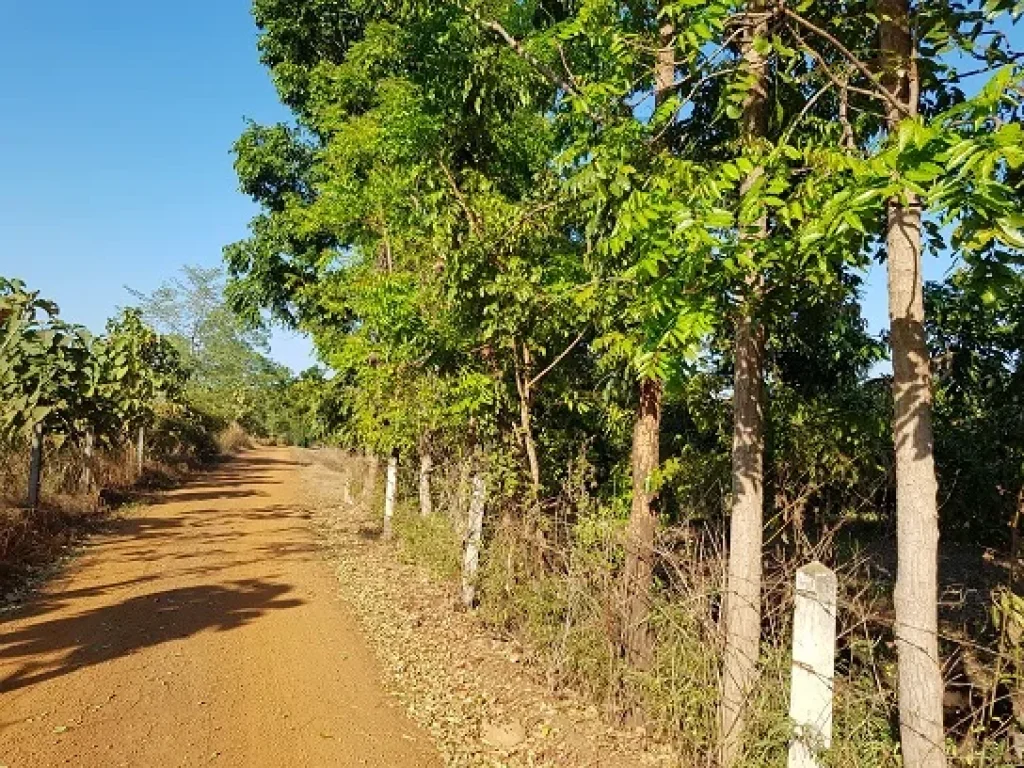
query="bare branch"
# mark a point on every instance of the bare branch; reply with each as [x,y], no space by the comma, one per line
[839,82]
[556,361]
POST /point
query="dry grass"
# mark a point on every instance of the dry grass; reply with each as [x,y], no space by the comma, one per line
[29,539]
[233,439]
[69,507]
[550,582]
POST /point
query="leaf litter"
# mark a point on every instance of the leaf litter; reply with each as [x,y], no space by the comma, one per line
[465,686]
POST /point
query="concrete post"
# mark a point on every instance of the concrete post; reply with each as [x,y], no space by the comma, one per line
[390,493]
[474,538]
[140,450]
[814,651]
[35,467]
[89,450]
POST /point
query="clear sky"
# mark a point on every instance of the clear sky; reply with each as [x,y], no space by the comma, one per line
[116,124]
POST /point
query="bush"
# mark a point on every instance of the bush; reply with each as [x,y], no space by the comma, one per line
[428,541]
[233,439]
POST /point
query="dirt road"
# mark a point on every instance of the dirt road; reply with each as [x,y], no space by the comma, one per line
[202,630]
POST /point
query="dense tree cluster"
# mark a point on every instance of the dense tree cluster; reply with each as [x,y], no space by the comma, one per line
[57,377]
[628,235]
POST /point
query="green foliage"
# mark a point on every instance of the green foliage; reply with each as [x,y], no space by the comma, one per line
[493,226]
[59,376]
[48,371]
[976,341]
[138,367]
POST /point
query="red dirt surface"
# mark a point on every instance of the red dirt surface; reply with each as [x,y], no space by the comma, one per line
[202,630]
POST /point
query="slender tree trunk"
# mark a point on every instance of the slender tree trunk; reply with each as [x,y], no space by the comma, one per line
[87,470]
[743,590]
[140,450]
[916,598]
[426,469]
[390,493]
[35,467]
[638,572]
[642,529]
[525,389]
[474,537]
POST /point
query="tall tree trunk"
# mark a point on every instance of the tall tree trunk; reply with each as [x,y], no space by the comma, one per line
[390,493]
[426,469]
[642,529]
[474,536]
[35,466]
[525,389]
[638,572]
[743,590]
[916,598]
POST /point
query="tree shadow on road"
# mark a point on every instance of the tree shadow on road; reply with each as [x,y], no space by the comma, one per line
[47,649]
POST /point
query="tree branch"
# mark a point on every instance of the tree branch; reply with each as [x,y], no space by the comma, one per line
[474,223]
[515,45]
[859,65]
[556,361]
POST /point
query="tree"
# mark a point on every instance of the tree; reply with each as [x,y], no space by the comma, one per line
[230,375]
[926,164]
[917,621]
[137,367]
[47,367]
[743,589]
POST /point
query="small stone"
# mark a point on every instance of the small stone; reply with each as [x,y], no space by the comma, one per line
[506,736]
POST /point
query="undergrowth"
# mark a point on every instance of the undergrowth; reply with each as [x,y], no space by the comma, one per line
[550,580]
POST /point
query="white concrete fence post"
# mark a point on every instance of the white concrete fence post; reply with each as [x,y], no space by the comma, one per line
[140,450]
[346,481]
[814,652]
[474,537]
[390,493]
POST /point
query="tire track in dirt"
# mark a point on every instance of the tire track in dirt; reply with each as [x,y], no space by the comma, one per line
[204,629]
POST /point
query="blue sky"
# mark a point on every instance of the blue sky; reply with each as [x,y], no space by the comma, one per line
[117,122]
